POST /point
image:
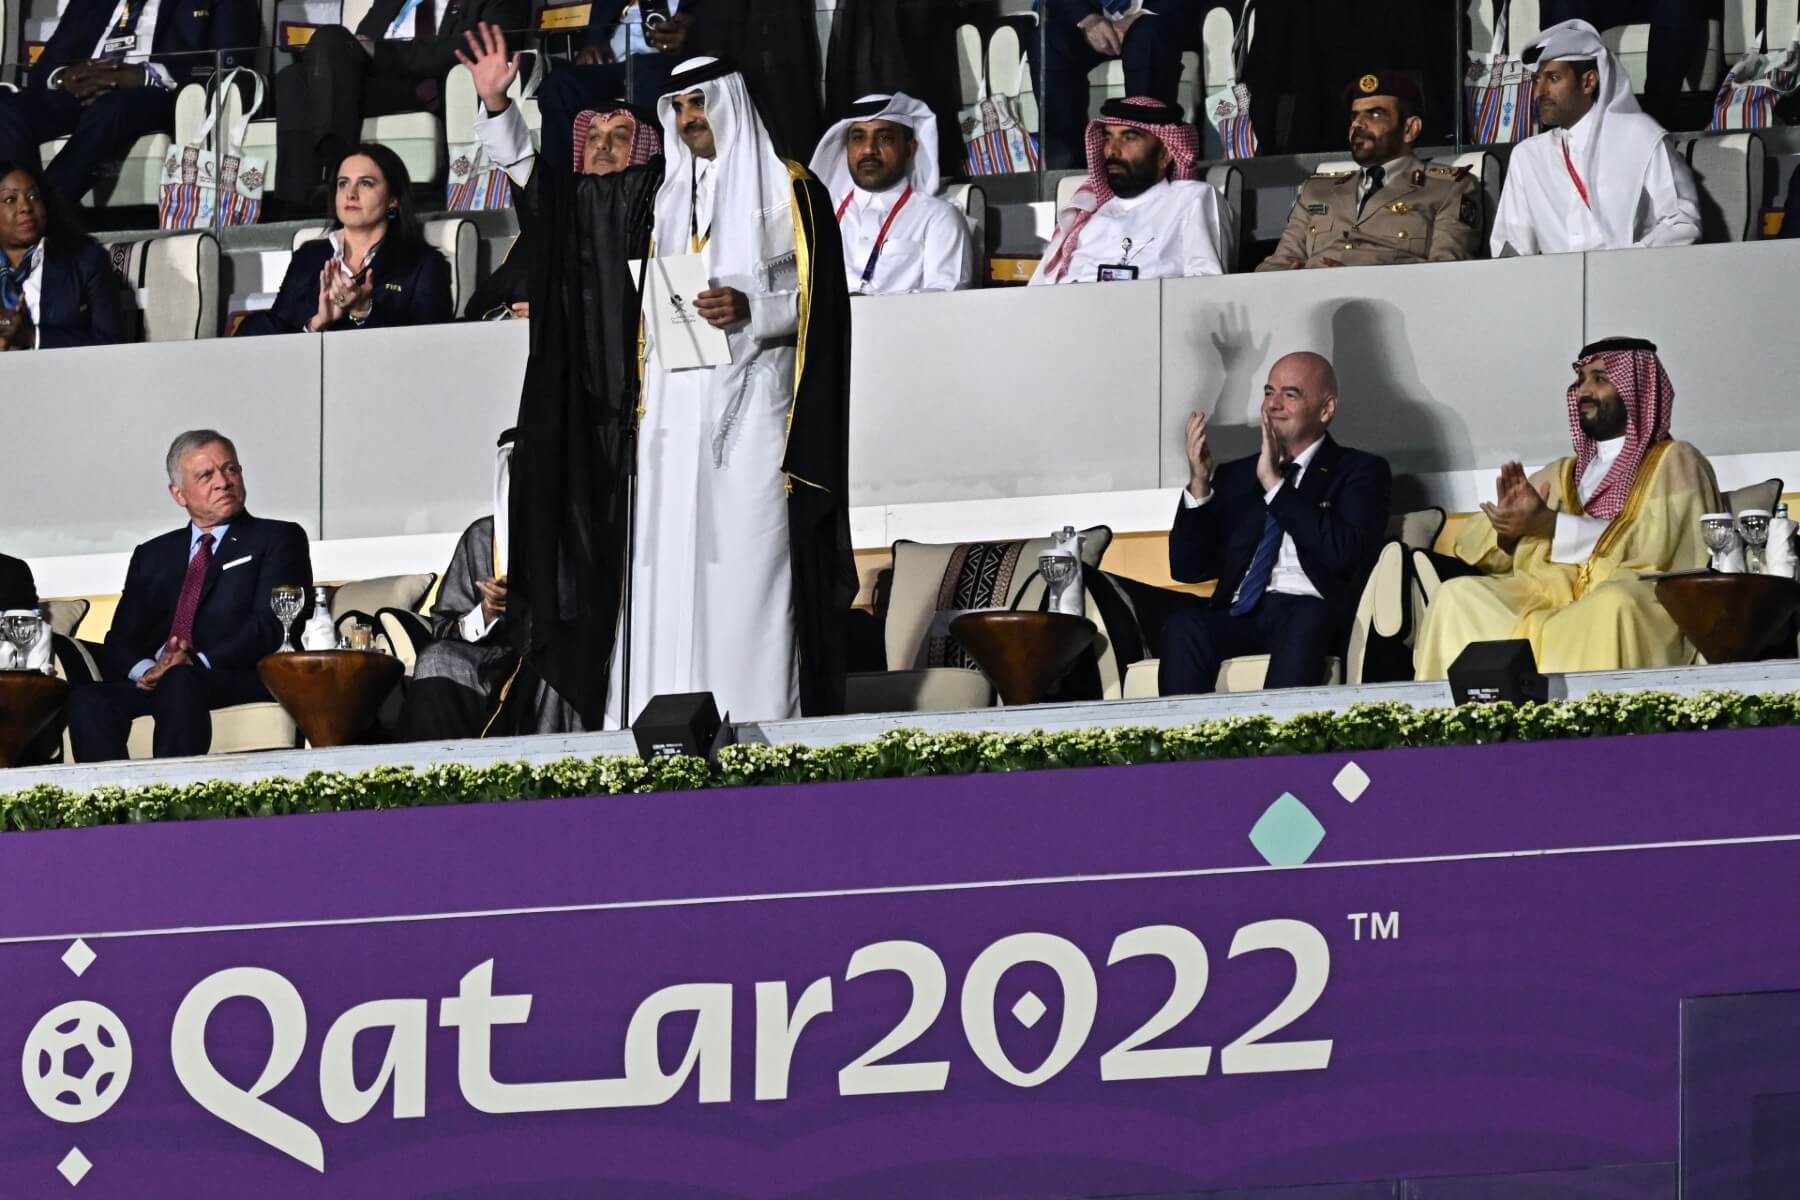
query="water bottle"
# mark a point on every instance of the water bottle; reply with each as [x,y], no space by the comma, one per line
[321,631]
[1064,575]
[1779,551]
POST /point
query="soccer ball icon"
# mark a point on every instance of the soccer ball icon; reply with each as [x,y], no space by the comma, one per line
[77,1061]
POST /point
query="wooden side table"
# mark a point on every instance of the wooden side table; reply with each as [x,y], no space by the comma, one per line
[1729,617]
[332,695]
[28,701]
[1024,653]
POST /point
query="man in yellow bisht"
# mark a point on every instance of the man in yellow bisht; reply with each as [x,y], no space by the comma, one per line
[1559,554]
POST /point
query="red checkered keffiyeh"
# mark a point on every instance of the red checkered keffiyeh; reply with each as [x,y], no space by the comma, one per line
[1182,139]
[1649,401]
[646,137]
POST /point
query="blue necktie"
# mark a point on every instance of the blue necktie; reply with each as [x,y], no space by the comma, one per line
[1262,563]
[12,279]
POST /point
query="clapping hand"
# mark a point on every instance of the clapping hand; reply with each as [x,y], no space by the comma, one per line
[488,62]
[1268,461]
[1199,456]
[1520,510]
[339,296]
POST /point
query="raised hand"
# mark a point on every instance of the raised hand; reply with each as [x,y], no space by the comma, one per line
[1199,456]
[490,65]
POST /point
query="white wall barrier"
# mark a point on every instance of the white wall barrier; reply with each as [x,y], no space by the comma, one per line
[971,403]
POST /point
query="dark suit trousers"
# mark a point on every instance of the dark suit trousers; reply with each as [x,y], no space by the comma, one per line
[100,714]
[99,134]
[1296,632]
[1152,58]
[320,103]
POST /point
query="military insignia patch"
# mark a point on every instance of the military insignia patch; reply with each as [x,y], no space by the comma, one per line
[1318,210]
[1399,208]
[1368,84]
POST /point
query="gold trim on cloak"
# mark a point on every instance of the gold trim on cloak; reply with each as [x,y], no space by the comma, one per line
[803,267]
[1635,500]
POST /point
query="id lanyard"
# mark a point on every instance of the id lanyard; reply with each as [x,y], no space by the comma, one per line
[887,226]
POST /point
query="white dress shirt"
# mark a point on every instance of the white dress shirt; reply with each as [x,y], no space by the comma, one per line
[194,532]
[475,625]
[1541,211]
[1576,536]
[927,250]
[33,289]
[1176,229]
[1287,576]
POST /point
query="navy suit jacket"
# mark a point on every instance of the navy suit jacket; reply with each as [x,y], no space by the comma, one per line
[234,625]
[409,290]
[78,298]
[17,589]
[1337,517]
[183,29]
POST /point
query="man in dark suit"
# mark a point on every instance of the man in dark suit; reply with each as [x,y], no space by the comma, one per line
[17,588]
[106,78]
[629,49]
[1289,533]
[395,62]
[194,617]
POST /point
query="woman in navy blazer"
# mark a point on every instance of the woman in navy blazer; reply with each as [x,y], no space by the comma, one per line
[374,270]
[57,287]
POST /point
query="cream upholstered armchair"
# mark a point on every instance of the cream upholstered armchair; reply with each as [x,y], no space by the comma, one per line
[238,728]
[928,670]
[1376,610]
[171,284]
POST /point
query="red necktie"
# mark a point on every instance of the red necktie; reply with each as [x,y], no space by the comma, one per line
[1570,163]
[182,627]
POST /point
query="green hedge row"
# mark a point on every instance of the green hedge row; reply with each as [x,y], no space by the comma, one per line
[904,752]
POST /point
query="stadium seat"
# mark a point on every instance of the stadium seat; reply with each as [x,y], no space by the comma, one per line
[1228,181]
[172,282]
[1242,674]
[1632,44]
[138,179]
[1729,171]
[971,202]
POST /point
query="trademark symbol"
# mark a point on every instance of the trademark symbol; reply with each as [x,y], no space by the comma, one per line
[1374,927]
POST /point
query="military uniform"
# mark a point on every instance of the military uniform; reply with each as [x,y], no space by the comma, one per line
[1422,213]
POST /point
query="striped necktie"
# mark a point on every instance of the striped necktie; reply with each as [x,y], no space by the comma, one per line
[1262,563]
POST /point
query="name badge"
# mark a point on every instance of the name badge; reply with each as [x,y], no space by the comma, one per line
[127,43]
[1116,272]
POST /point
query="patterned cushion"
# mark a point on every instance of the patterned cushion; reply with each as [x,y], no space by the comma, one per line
[935,578]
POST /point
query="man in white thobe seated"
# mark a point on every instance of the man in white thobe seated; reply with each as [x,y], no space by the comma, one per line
[1141,214]
[880,166]
[1603,175]
[742,565]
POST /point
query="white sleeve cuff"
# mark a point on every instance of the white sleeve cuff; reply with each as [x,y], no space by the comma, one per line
[475,626]
[774,315]
[1188,501]
[507,140]
[137,671]
[1575,538]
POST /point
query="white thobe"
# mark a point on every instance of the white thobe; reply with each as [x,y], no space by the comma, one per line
[1176,229]
[507,140]
[1541,210]
[712,584]
[1576,536]
[1287,575]
[928,248]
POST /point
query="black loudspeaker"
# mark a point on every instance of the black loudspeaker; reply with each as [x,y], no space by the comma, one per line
[1497,672]
[681,723]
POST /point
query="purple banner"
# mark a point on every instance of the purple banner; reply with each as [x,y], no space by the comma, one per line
[1272,972]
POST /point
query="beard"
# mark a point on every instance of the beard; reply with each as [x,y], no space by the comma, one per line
[1603,424]
[1128,179]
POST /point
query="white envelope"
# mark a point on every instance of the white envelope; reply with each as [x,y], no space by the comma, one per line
[681,337]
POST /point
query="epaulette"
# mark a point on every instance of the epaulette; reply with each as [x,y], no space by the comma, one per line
[1333,176]
[1446,172]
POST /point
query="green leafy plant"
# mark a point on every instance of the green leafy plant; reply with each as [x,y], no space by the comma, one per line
[900,753]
